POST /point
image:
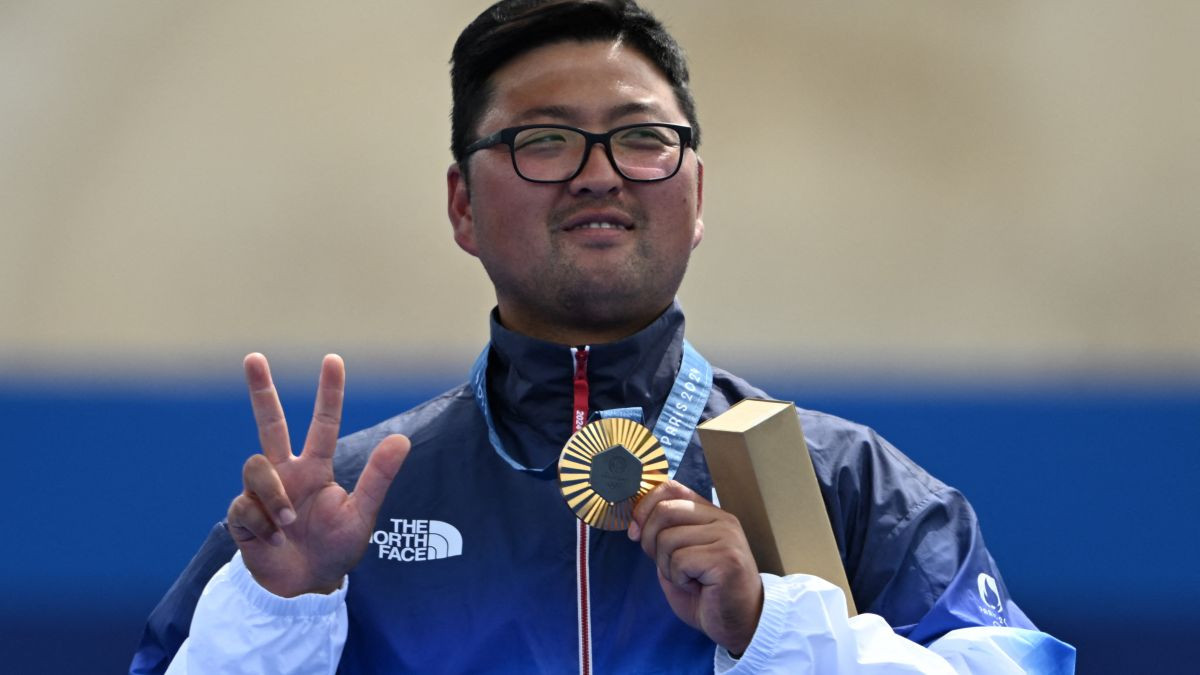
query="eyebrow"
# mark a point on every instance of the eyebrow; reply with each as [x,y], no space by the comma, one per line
[557,112]
[565,113]
[633,108]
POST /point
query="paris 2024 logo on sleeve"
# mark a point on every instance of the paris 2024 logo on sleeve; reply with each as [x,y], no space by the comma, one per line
[992,604]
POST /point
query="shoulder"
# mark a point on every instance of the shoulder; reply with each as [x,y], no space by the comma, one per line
[871,489]
[855,458]
[449,408]
[904,536]
[843,452]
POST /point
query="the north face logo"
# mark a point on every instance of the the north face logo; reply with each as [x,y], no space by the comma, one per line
[411,540]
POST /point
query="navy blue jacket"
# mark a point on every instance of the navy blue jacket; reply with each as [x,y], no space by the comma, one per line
[472,565]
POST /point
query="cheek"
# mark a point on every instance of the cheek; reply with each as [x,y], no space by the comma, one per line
[678,210]
[506,227]
[501,197]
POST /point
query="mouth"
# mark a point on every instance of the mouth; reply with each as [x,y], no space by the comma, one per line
[607,220]
[597,225]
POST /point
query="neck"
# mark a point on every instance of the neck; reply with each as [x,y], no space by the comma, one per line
[576,333]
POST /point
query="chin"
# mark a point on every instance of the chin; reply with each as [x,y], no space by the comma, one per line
[617,309]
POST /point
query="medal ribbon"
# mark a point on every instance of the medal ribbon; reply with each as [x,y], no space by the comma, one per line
[681,413]
[676,423]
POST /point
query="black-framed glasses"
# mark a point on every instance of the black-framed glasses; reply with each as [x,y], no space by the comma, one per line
[556,153]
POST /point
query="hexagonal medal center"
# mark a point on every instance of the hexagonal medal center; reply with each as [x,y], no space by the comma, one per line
[616,474]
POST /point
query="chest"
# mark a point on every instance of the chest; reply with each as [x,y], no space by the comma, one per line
[475,566]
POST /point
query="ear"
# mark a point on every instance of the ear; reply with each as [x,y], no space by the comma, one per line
[698,233]
[458,207]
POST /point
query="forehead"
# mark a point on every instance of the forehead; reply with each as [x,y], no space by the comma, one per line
[590,84]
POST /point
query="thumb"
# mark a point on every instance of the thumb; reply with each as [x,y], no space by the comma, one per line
[377,475]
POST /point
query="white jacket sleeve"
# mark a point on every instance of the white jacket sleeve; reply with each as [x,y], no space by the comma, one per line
[240,627]
[804,629]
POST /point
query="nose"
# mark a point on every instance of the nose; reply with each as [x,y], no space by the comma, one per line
[598,175]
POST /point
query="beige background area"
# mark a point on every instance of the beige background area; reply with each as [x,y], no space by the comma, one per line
[935,187]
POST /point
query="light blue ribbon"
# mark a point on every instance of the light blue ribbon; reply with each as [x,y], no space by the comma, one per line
[676,423]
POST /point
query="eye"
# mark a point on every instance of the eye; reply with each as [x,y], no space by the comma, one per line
[541,139]
[647,137]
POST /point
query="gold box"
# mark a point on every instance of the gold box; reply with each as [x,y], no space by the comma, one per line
[763,474]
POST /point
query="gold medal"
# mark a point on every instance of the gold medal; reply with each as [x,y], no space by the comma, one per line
[606,467]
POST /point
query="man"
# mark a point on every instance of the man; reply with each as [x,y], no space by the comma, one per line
[577,185]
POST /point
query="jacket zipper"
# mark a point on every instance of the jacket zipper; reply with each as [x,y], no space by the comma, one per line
[579,418]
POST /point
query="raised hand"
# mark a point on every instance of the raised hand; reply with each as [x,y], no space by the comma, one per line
[704,563]
[298,530]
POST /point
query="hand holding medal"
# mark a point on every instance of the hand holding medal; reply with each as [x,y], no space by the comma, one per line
[606,467]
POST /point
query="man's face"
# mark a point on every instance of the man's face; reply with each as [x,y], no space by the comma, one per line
[557,277]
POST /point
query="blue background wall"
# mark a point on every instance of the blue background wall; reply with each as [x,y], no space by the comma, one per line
[1085,491]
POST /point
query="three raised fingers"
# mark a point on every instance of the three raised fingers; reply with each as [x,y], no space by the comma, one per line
[264,506]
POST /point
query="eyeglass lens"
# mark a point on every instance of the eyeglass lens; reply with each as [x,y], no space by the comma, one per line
[648,152]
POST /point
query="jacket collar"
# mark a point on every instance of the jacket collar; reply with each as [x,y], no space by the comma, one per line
[530,382]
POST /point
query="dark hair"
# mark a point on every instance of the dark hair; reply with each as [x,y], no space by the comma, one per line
[511,28]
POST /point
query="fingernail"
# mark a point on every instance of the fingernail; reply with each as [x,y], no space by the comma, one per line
[287,517]
[634,531]
[276,538]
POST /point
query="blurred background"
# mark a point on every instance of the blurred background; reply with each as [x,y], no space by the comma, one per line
[972,226]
